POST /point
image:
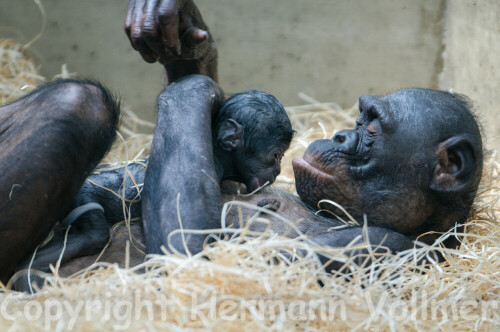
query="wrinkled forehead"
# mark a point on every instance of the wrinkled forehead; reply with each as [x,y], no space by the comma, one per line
[404,108]
[430,110]
[421,116]
[417,102]
[428,115]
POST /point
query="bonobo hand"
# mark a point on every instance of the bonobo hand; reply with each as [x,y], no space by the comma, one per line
[168,31]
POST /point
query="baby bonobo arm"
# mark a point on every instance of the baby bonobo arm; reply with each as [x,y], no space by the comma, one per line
[181,190]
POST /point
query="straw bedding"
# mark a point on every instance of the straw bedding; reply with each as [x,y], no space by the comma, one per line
[243,287]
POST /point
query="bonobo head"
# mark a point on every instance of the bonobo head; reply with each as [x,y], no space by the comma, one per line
[251,132]
[412,163]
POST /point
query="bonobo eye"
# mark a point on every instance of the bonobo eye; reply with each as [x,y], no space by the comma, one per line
[373,127]
[368,119]
[277,158]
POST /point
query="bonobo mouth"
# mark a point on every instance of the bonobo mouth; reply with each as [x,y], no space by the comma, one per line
[256,183]
[314,183]
[308,167]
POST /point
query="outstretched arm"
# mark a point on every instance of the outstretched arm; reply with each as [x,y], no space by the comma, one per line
[181,190]
[381,240]
[173,33]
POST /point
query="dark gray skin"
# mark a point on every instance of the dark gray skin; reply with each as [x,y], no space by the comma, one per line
[412,164]
[353,168]
[287,205]
[238,155]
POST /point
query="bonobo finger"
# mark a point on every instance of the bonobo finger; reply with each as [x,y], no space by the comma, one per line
[135,22]
[129,17]
[194,36]
[130,20]
[136,35]
[148,56]
[151,30]
[144,50]
[168,17]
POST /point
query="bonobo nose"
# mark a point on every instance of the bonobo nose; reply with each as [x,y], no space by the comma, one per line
[347,140]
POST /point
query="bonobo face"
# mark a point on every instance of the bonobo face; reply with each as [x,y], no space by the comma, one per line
[255,128]
[262,166]
[389,166]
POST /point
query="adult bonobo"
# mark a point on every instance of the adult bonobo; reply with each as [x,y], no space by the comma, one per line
[412,164]
[250,134]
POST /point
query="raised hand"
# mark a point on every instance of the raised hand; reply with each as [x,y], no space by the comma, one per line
[170,31]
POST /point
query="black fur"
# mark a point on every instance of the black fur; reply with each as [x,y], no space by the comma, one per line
[91,231]
[50,141]
[265,119]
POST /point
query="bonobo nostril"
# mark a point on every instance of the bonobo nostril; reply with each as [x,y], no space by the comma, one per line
[339,138]
[347,140]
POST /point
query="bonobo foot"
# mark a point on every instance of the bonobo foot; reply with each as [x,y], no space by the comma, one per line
[87,236]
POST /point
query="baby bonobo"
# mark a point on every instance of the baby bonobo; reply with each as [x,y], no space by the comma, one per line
[251,132]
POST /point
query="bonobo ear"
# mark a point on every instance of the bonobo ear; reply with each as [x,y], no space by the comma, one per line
[230,135]
[456,165]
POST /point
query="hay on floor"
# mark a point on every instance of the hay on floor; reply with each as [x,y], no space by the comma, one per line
[239,288]
[18,73]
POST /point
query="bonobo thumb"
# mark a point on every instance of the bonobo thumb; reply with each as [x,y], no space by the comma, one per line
[194,36]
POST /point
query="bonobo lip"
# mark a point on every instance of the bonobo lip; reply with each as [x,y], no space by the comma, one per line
[302,164]
[255,183]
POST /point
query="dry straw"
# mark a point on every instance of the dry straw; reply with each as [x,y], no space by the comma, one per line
[243,287]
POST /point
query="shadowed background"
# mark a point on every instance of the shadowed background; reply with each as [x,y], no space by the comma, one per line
[330,50]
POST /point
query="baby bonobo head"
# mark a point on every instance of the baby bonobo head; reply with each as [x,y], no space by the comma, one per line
[251,132]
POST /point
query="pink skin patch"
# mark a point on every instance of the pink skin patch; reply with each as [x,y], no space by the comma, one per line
[302,164]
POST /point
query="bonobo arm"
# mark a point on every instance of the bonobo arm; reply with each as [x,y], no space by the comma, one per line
[381,241]
[181,188]
[173,33]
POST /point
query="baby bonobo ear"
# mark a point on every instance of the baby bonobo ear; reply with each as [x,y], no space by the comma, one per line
[230,135]
[456,165]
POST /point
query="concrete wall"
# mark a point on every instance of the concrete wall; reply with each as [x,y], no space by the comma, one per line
[472,58]
[331,50]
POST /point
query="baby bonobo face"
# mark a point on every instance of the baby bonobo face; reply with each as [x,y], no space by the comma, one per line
[262,167]
[254,129]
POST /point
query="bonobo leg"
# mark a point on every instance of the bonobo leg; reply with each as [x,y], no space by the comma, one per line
[87,236]
[50,140]
[181,188]
[90,232]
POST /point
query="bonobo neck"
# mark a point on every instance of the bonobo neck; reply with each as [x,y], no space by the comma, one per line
[441,220]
